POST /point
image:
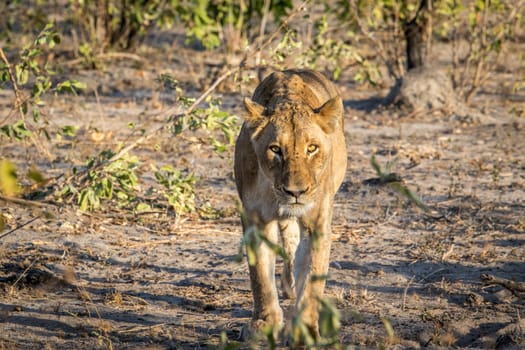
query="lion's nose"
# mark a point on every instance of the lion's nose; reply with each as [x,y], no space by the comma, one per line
[295,191]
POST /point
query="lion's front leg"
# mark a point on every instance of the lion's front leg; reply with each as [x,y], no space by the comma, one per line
[290,236]
[311,268]
[266,310]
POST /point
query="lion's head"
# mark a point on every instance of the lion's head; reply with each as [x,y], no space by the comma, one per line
[293,145]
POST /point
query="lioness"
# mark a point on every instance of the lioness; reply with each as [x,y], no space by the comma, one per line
[290,159]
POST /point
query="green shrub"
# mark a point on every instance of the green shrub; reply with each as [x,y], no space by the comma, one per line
[30,71]
[123,24]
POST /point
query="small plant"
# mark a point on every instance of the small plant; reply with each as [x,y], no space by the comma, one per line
[210,119]
[486,26]
[28,72]
[390,338]
[227,22]
[123,24]
[114,181]
[394,181]
[324,49]
[226,344]
[299,334]
[329,321]
[118,24]
[177,188]
[377,25]
[287,46]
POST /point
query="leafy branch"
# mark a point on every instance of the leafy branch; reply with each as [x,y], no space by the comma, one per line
[27,71]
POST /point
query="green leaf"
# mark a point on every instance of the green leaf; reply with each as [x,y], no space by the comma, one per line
[35,175]
[388,327]
[8,179]
[83,199]
[376,166]
[22,74]
[71,86]
[329,319]
[276,248]
[142,207]
[69,130]
[19,130]
[251,254]
[412,197]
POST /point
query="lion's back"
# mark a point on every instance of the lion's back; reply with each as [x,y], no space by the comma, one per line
[308,86]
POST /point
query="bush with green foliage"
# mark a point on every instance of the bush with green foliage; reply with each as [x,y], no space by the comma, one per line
[176,188]
[485,28]
[123,24]
[103,179]
[29,70]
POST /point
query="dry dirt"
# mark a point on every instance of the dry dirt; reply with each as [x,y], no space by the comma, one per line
[115,280]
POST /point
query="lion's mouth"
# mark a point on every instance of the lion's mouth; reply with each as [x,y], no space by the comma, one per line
[295,209]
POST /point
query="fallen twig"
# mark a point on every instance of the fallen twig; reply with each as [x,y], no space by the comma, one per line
[19,227]
[515,287]
[430,274]
[151,243]
[406,292]
[140,328]
[12,288]
[107,56]
[22,201]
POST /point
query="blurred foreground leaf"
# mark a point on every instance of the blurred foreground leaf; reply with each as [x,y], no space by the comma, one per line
[35,175]
[8,179]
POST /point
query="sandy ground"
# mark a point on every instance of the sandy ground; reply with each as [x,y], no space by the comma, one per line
[116,280]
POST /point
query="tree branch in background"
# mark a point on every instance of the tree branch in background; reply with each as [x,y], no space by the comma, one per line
[19,98]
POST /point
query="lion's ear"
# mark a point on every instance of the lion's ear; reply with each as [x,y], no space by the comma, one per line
[255,112]
[330,114]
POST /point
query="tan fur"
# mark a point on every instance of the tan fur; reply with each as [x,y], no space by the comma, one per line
[290,159]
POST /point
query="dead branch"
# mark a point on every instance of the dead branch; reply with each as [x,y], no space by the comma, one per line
[21,201]
[515,287]
[19,100]
[405,292]
[107,56]
[262,28]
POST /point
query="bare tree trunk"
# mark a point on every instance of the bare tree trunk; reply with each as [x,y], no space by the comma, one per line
[418,34]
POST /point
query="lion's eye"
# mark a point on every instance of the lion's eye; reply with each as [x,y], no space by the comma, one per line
[311,149]
[275,149]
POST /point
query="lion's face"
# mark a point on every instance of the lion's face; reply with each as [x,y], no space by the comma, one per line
[293,144]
